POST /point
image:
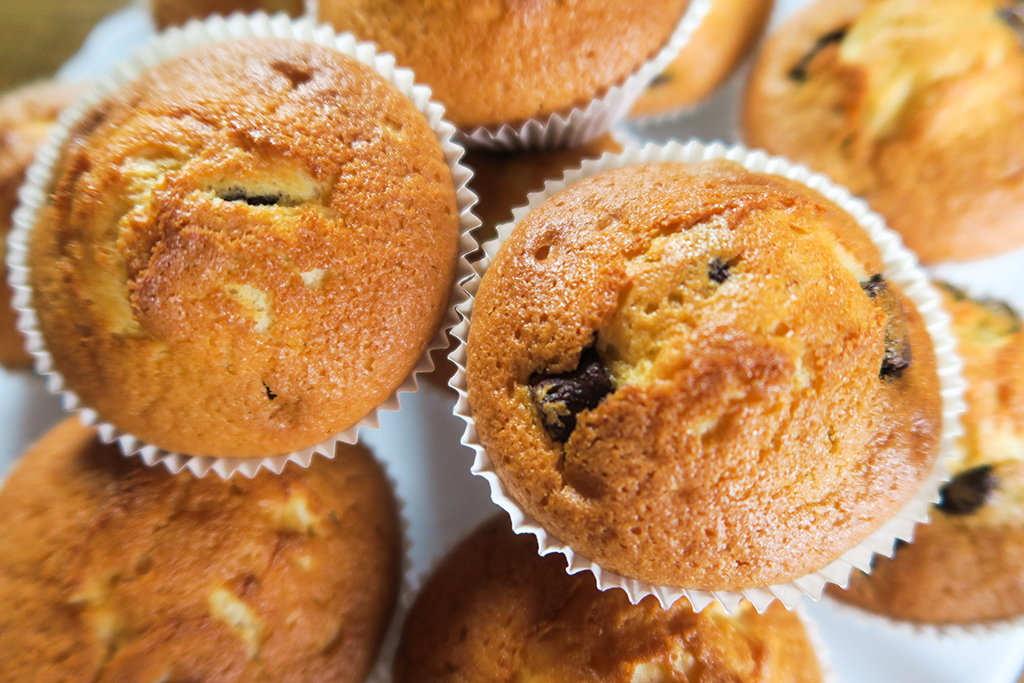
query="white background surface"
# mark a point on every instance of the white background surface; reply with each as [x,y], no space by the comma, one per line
[443,501]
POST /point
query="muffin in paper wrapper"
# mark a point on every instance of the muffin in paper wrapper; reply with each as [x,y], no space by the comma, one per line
[40,176]
[901,267]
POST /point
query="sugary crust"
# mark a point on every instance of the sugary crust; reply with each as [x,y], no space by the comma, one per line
[493,61]
[931,134]
[720,43]
[26,115]
[186,311]
[114,572]
[176,12]
[496,611]
[968,568]
[749,439]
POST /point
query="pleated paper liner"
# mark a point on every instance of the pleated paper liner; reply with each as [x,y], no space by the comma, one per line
[901,267]
[41,175]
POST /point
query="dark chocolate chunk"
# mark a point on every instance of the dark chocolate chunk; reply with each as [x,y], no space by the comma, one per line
[1013,16]
[237,194]
[660,79]
[968,491]
[718,270]
[799,71]
[270,394]
[898,355]
[560,398]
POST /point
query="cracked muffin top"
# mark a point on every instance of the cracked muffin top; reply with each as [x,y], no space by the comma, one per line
[696,376]
[718,46]
[496,611]
[246,250]
[114,572]
[26,115]
[967,566]
[916,105]
[174,12]
[493,61]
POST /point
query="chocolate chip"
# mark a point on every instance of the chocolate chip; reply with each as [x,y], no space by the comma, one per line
[560,398]
[799,71]
[660,79]
[967,491]
[898,355]
[1013,16]
[718,270]
[237,194]
[270,394]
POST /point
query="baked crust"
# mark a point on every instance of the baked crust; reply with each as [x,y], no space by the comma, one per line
[114,572]
[967,566]
[493,62]
[246,251]
[718,46]
[496,611]
[749,436]
[916,105]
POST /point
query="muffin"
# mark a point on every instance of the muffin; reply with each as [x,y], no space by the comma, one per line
[111,571]
[501,182]
[916,105]
[717,47]
[175,12]
[696,376]
[246,250]
[495,611]
[26,115]
[967,566]
[492,63]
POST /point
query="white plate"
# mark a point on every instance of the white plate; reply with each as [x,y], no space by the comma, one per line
[444,501]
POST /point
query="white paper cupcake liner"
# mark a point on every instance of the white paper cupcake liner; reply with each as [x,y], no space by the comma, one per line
[40,177]
[901,267]
[581,124]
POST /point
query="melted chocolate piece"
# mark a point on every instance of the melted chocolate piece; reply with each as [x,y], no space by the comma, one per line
[718,270]
[560,398]
[968,491]
[898,355]
[237,194]
[799,71]
[270,394]
[1013,16]
[660,79]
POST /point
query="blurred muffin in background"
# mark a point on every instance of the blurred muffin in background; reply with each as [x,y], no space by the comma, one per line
[26,115]
[176,12]
[915,105]
[967,566]
[718,46]
[111,571]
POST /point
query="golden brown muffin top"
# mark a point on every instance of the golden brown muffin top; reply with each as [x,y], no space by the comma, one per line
[174,12]
[247,249]
[693,375]
[724,37]
[505,61]
[917,105]
[112,571]
[26,115]
[496,611]
[968,565]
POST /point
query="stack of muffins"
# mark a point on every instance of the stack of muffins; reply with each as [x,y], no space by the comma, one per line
[689,376]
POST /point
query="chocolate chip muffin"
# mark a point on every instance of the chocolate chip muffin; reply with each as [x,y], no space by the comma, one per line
[246,250]
[696,376]
[967,566]
[495,611]
[717,47]
[26,115]
[494,62]
[112,571]
[175,12]
[916,105]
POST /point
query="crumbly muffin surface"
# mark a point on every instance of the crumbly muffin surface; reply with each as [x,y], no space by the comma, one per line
[495,611]
[967,565]
[693,375]
[26,115]
[492,62]
[916,105]
[247,249]
[720,43]
[114,572]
